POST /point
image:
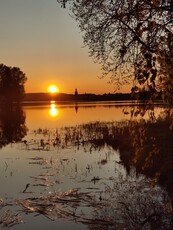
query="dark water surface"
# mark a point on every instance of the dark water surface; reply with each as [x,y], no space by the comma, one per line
[56,177]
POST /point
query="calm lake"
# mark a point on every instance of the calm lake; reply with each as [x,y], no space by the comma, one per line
[56,172]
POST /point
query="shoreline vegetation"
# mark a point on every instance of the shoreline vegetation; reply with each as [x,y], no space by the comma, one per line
[87,97]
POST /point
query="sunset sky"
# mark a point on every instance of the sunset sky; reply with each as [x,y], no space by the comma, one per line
[40,38]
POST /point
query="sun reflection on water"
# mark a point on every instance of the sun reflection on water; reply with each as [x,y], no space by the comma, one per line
[53,110]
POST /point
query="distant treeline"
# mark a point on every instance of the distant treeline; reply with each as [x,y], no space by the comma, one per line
[86,97]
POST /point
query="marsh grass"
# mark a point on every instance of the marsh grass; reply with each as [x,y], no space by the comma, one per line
[129,201]
[8,218]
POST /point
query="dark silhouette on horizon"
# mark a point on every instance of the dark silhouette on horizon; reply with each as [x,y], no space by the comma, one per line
[76,97]
[12,81]
[76,93]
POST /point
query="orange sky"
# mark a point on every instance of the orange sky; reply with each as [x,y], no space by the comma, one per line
[40,38]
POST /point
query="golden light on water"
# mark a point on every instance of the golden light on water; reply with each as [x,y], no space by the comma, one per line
[53,110]
[53,89]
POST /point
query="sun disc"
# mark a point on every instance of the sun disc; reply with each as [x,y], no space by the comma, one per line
[53,89]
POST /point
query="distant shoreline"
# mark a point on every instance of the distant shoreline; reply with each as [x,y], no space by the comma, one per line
[87,97]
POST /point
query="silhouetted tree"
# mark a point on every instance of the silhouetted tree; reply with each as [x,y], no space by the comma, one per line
[132,39]
[12,81]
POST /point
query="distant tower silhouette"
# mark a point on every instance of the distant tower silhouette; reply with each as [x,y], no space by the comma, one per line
[76,92]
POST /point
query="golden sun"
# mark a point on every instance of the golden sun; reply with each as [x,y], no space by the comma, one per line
[53,89]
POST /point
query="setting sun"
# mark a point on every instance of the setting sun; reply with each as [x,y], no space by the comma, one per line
[53,89]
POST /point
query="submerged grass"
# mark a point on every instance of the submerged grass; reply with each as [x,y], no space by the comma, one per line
[8,218]
[130,202]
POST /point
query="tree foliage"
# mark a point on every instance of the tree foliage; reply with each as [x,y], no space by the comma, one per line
[12,81]
[132,39]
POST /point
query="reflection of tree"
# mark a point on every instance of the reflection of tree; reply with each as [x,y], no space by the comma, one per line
[129,201]
[145,145]
[12,124]
[150,151]
[133,204]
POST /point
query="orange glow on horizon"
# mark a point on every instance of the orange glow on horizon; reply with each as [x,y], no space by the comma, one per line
[98,86]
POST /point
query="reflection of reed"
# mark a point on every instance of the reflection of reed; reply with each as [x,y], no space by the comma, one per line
[146,146]
[132,198]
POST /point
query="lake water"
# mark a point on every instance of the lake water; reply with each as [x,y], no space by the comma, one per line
[51,181]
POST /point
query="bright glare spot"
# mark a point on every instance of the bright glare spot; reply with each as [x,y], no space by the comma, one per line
[53,89]
[53,110]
